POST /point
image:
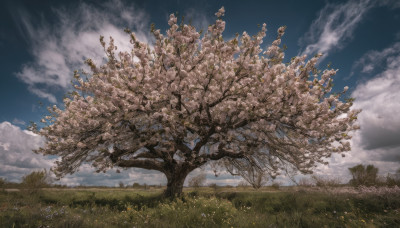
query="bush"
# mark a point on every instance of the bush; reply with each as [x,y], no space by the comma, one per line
[393,179]
[243,184]
[3,182]
[363,175]
[275,185]
[326,181]
[36,180]
[306,182]
[197,181]
[213,186]
[254,176]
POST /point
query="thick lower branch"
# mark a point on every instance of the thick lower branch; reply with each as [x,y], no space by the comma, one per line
[142,163]
[146,155]
[204,140]
[222,152]
[183,148]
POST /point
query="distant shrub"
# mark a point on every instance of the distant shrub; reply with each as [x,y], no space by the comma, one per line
[37,179]
[258,179]
[243,184]
[197,181]
[59,186]
[3,182]
[381,181]
[136,185]
[306,182]
[393,179]
[255,176]
[326,181]
[275,185]
[363,175]
[213,185]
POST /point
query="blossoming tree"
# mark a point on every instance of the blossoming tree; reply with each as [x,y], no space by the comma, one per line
[192,99]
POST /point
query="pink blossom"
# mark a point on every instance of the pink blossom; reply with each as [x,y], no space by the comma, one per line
[235,103]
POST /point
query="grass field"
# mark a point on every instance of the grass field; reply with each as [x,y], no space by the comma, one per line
[202,207]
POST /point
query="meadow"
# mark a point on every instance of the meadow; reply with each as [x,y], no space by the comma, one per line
[201,207]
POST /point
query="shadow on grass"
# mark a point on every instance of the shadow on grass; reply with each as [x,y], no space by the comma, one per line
[91,199]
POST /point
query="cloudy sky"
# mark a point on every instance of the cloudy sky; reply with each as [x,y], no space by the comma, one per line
[42,43]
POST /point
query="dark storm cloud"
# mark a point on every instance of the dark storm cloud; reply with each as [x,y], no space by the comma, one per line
[376,136]
[389,155]
[379,99]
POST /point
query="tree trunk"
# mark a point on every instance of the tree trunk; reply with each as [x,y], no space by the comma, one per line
[175,184]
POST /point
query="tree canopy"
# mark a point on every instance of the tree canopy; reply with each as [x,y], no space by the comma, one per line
[190,99]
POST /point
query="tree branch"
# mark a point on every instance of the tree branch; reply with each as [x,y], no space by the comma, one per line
[222,152]
[146,155]
[142,163]
[204,140]
[182,147]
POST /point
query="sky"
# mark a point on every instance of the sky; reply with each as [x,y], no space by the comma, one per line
[43,42]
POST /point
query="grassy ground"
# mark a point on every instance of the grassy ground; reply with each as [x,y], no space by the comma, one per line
[204,207]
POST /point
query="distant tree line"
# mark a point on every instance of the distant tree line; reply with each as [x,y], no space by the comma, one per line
[362,175]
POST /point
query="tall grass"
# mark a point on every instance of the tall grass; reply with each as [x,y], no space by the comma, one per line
[204,207]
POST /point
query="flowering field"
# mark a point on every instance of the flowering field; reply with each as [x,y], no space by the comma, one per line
[202,207]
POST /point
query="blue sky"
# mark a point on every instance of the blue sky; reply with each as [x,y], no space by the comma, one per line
[43,43]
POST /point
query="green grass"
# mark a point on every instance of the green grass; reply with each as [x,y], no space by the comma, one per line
[204,207]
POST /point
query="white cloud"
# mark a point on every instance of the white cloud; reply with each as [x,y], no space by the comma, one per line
[387,160]
[377,142]
[379,98]
[60,47]
[16,156]
[200,20]
[222,178]
[334,26]
[376,60]
[17,160]
[86,175]
[6,146]
[393,4]
[18,121]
